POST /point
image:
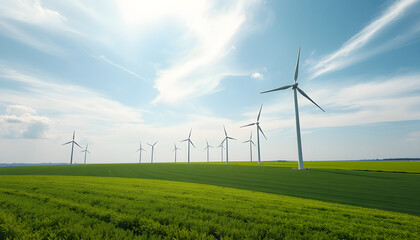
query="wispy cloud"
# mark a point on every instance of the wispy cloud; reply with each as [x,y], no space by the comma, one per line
[351,52]
[202,67]
[103,58]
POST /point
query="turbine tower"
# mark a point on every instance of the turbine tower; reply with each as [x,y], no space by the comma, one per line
[221,150]
[175,150]
[257,123]
[85,151]
[227,144]
[250,146]
[296,88]
[189,141]
[139,150]
[72,147]
[207,148]
[153,150]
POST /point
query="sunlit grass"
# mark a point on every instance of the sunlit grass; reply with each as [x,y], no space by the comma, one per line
[384,166]
[69,207]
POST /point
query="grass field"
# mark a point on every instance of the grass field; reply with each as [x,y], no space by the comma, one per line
[377,166]
[68,207]
[379,190]
[207,201]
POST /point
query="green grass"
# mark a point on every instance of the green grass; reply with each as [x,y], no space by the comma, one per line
[377,166]
[69,207]
[387,191]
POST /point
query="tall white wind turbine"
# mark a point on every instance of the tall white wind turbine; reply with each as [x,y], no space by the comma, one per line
[250,146]
[227,144]
[296,88]
[257,123]
[72,147]
[153,150]
[85,151]
[222,147]
[139,150]
[175,150]
[208,149]
[189,142]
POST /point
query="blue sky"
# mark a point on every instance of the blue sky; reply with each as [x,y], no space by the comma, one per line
[120,72]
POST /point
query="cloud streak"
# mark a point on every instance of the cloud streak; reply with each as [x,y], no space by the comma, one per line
[350,53]
[103,58]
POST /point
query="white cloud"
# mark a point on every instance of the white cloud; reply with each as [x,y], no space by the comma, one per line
[351,52]
[257,75]
[23,122]
[202,67]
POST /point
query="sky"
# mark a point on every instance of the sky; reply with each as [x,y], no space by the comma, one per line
[121,72]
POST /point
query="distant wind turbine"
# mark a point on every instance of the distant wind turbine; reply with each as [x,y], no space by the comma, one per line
[250,145]
[175,150]
[85,151]
[257,123]
[207,148]
[295,87]
[139,150]
[189,141]
[227,144]
[153,150]
[221,150]
[72,147]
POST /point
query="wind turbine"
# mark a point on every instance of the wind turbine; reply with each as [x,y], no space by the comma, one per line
[221,150]
[72,147]
[257,123]
[250,145]
[207,148]
[139,150]
[295,87]
[176,149]
[189,141]
[153,150]
[227,144]
[85,151]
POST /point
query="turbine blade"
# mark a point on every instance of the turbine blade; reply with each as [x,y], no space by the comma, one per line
[259,114]
[253,143]
[224,130]
[305,95]
[77,144]
[87,151]
[259,128]
[138,150]
[246,141]
[223,141]
[149,144]
[67,143]
[191,143]
[297,67]
[277,89]
[155,143]
[250,137]
[248,125]
[184,140]
[190,133]
[232,138]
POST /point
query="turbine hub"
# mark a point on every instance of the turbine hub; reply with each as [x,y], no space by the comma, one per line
[294,86]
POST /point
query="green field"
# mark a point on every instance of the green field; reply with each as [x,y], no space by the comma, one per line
[206,201]
[377,166]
